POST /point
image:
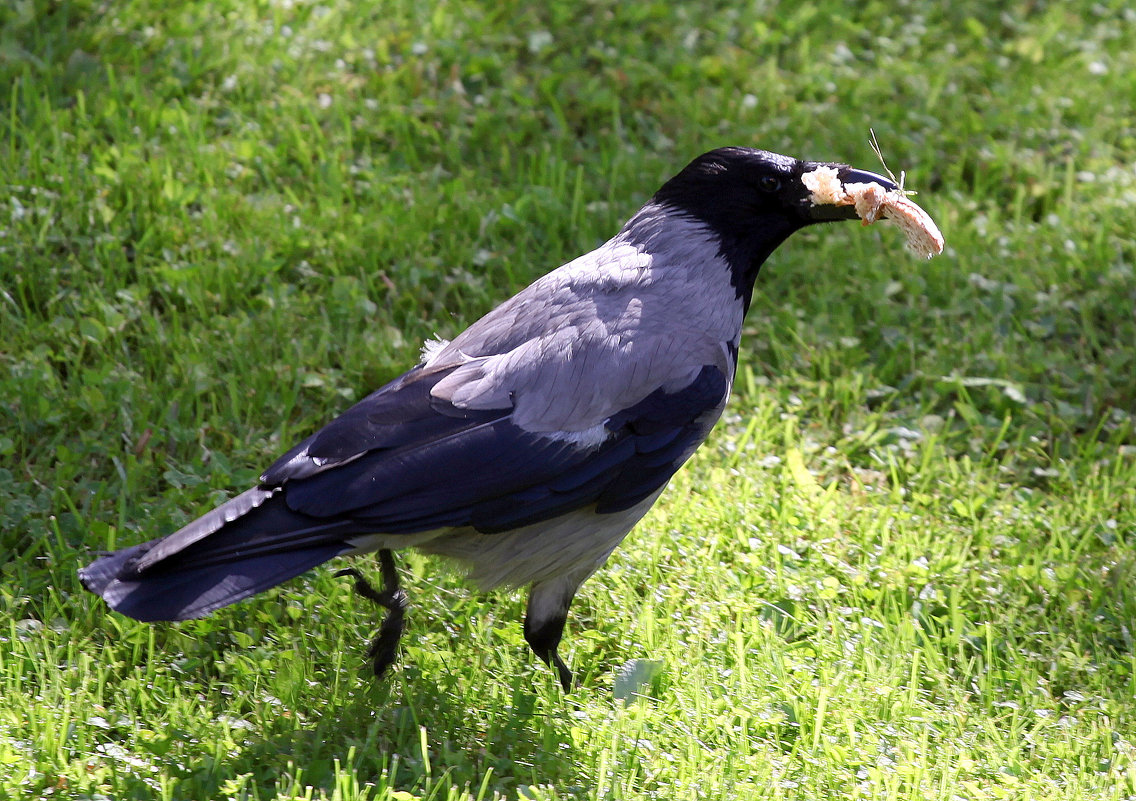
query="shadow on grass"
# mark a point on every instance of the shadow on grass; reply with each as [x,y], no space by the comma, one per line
[411,734]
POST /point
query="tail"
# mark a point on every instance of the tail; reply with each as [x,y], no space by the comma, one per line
[242,547]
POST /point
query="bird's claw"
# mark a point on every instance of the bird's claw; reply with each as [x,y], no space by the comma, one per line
[562,671]
[383,650]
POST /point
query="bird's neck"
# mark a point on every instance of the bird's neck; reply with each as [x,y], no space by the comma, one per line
[678,238]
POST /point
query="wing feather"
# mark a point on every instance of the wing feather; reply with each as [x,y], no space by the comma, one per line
[483,470]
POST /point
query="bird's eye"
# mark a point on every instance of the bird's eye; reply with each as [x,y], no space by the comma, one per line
[769,183]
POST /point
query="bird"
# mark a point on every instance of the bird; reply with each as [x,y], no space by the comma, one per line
[527,447]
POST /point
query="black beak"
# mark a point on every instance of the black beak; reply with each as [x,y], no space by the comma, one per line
[850,175]
[824,212]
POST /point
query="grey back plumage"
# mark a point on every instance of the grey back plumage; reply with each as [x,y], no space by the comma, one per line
[644,311]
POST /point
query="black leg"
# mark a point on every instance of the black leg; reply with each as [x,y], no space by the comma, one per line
[384,648]
[543,640]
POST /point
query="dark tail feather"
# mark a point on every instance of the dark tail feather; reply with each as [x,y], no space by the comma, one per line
[242,547]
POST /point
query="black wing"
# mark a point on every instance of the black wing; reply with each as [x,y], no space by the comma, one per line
[401,461]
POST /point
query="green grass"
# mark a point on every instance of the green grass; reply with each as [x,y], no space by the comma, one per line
[902,568]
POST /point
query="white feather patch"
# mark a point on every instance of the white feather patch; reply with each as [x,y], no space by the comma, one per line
[588,438]
[431,348]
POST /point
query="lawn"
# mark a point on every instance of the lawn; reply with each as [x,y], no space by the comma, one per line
[903,567]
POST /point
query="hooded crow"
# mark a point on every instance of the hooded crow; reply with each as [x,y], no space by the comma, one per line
[529,446]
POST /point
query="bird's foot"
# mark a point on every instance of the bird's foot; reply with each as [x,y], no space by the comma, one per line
[562,670]
[383,650]
[544,641]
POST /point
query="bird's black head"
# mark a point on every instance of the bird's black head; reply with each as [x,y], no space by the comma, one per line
[753,200]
